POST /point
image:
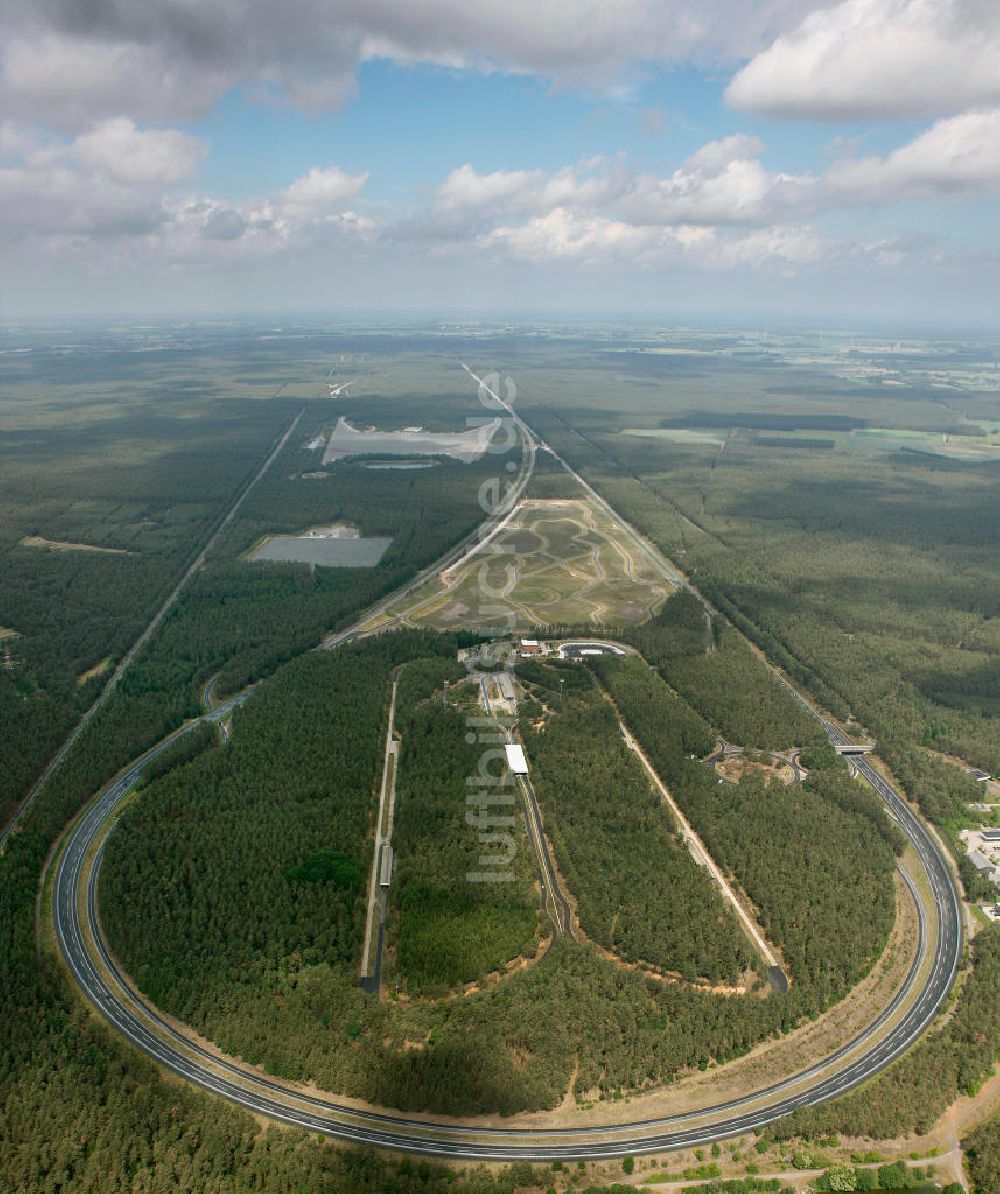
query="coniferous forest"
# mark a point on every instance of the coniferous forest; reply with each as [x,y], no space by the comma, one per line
[234,887]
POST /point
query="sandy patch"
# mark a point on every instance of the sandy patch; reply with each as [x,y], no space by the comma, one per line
[98,669]
[61,545]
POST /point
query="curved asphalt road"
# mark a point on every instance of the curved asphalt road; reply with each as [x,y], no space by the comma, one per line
[103,983]
[857,1061]
[873,1049]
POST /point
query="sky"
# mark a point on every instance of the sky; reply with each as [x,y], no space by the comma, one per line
[766,157]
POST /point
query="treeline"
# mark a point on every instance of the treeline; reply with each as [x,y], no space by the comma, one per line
[814,858]
[157,498]
[654,710]
[732,687]
[982,1156]
[895,1176]
[638,891]
[198,883]
[911,1095]
[451,929]
[187,747]
[266,964]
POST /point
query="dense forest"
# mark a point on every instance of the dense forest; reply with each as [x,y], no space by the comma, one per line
[813,858]
[954,1059]
[450,930]
[234,823]
[875,589]
[637,889]
[82,1110]
[282,989]
[149,508]
[982,1157]
[175,473]
[730,687]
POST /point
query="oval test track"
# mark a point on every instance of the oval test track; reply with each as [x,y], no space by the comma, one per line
[107,989]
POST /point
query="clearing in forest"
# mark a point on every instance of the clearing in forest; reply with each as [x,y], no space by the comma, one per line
[346,440]
[91,673]
[563,561]
[61,545]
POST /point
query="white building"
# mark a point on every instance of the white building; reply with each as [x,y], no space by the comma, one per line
[515,759]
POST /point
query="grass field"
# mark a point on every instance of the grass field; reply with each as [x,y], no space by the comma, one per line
[556,562]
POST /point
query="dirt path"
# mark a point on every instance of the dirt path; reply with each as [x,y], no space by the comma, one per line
[699,852]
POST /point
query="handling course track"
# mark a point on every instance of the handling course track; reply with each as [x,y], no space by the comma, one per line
[893,1030]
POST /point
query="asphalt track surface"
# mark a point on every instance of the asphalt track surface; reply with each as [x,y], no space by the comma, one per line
[898,1025]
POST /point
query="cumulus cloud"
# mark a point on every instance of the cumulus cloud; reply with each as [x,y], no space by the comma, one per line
[118,150]
[120,188]
[721,207]
[116,189]
[723,184]
[878,58]
[563,235]
[162,61]
[320,194]
[956,156]
[109,180]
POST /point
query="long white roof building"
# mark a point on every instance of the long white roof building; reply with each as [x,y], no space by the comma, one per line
[516,760]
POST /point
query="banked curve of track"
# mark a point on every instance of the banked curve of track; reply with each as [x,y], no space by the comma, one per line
[866,1054]
[89,959]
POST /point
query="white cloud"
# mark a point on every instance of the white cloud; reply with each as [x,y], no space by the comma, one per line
[110,180]
[723,183]
[878,58]
[565,234]
[956,156]
[591,240]
[321,194]
[160,60]
[111,194]
[116,188]
[464,188]
[120,151]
